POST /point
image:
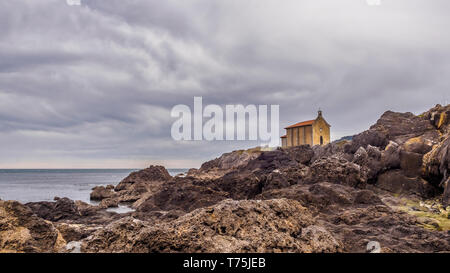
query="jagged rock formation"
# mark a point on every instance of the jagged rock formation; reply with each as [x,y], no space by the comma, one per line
[135,188]
[184,194]
[225,164]
[279,225]
[389,184]
[21,231]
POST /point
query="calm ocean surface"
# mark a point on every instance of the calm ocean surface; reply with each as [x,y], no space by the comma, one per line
[44,185]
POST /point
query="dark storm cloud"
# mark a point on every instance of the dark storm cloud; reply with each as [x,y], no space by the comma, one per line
[93,85]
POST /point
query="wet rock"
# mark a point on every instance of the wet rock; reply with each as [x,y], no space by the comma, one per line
[153,173]
[62,208]
[22,231]
[69,211]
[135,188]
[84,209]
[109,203]
[100,192]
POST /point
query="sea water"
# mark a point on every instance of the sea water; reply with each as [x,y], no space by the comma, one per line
[43,185]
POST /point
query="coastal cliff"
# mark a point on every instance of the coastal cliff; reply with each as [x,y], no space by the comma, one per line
[390,184]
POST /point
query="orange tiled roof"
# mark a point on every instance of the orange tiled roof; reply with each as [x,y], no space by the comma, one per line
[300,124]
[283,136]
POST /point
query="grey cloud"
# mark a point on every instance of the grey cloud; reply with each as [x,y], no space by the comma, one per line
[97,82]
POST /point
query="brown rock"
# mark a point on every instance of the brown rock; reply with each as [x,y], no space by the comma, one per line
[329,150]
[272,160]
[301,154]
[377,138]
[411,163]
[436,163]
[366,197]
[62,208]
[153,173]
[109,203]
[369,160]
[230,226]
[225,163]
[184,194]
[373,152]
[334,194]
[396,181]
[74,232]
[399,127]
[390,157]
[446,195]
[100,192]
[418,145]
[337,170]
[439,117]
[281,178]
[356,217]
[69,211]
[361,157]
[21,231]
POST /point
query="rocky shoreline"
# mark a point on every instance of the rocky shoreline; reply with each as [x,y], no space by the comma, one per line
[389,184]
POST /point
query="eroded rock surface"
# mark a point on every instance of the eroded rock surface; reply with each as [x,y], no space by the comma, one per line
[230,226]
[22,231]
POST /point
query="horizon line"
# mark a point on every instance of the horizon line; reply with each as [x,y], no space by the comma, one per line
[83,168]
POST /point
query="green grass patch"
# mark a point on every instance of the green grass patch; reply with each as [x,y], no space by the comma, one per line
[431,214]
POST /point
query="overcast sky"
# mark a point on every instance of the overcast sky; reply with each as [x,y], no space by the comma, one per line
[92,86]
